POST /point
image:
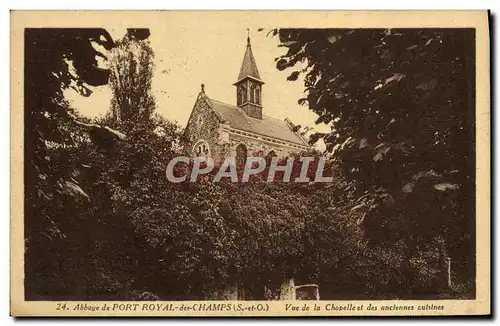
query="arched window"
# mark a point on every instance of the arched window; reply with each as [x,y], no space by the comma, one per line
[199,121]
[241,155]
[252,94]
[257,95]
[201,149]
[272,154]
[242,94]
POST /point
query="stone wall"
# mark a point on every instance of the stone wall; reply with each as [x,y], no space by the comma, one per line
[287,291]
[203,125]
[237,292]
[256,147]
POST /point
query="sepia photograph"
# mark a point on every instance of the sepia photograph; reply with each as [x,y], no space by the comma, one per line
[199,165]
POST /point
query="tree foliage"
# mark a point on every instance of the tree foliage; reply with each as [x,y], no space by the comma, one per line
[400,106]
[55,60]
[131,65]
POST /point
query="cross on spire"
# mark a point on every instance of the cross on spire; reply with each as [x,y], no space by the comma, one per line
[248,36]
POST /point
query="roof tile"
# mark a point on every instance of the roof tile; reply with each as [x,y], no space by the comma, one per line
[268,126]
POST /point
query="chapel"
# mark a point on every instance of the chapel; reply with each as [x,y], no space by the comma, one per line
[218,130]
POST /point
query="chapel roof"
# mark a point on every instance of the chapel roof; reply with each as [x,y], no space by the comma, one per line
[268,126]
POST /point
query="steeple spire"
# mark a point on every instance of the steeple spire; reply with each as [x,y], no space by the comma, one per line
[249,85]
[248,66]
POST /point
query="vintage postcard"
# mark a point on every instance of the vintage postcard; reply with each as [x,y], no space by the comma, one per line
[250,163]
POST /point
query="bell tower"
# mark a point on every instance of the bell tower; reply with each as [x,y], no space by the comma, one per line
[249,85]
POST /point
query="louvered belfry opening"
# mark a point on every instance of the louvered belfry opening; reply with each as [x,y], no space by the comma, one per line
[249,85]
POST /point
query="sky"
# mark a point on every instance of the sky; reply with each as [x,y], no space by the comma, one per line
[187,56]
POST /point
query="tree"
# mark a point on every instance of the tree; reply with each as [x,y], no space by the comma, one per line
[400,106]
[131,65]
[55,60]
[49,135]
[128,178]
